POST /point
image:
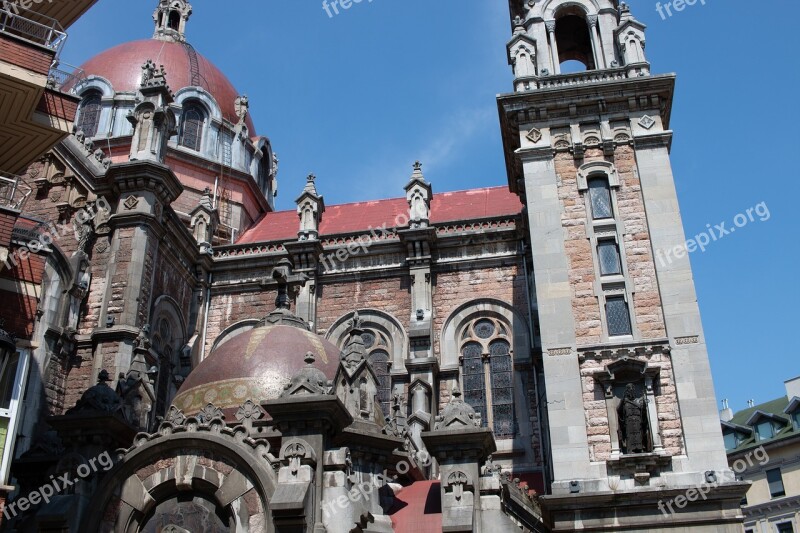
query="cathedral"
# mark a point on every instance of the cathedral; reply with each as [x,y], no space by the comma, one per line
[180,356]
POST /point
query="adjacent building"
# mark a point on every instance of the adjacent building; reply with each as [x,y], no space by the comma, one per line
[36,112]
[507,358]
[772,503]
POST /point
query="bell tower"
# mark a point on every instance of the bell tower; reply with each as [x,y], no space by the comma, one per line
[630,419]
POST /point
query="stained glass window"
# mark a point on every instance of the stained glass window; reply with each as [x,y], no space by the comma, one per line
[474,381]
[379,360]
[608,253]
[619,319]
[369,339]
[484,329]
[227,148]
[502,374]
[193,118]
[91,107]
[600,196]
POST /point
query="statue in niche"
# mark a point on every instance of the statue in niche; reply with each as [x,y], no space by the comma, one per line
[632,416]
[419,209]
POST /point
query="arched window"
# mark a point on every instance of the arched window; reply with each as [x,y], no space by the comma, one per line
[488,374]
[192,130]
[378,358]
[162,344]
[174,20]
[89,116]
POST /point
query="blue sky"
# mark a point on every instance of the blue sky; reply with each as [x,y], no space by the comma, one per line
[358,97]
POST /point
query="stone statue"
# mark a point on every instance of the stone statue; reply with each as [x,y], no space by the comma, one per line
[632,413]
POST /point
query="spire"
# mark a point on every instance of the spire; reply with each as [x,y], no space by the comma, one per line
[310,207]
[419,194]
[170,18]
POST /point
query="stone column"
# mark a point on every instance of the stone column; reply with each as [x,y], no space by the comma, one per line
[597,44]
[551,31]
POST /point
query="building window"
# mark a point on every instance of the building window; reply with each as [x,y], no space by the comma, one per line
[13,377]
[731,442]
[796,419]
[785,527]
[608,254]
[502,373]
[600,198]
[378,358]
[193,121]
[89,119]
[489,388]
[775,481]
[618,316]
[473,378]
[227,148]
[765,430]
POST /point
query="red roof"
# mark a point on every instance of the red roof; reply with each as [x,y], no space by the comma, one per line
[122,67]
[418,508]
[364,216]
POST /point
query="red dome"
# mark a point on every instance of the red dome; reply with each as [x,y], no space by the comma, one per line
[255,365]
[122,67]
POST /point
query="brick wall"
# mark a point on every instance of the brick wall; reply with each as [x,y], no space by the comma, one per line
[453,289]
[7,221]
[25,55]
[391,295]
[636,242]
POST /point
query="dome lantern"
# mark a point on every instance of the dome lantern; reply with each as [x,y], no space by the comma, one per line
[170,18]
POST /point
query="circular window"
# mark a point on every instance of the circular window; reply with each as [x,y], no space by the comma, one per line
[484,329]
[369,339]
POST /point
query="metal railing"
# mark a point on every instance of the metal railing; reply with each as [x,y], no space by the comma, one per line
[18,21]
[64,77]
[13,192]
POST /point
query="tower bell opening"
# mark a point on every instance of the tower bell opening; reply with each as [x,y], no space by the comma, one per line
[574,43]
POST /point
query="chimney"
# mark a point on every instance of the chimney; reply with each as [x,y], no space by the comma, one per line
[726,414]
[793,387]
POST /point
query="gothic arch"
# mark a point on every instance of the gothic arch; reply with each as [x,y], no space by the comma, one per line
[133,490]
[168,340]
[382,322]
[483,308]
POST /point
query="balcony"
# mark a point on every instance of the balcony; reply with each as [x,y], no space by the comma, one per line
[13,192]
[32,27]
[561,81]
[64,77]
[35,109]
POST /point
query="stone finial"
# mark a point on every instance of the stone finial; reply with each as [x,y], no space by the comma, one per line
[457,414]
[418,194]
[310,207]
[100,398]
[308,380]
[519,25]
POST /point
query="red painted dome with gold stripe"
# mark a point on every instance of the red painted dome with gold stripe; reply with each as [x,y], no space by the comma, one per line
[255,365]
